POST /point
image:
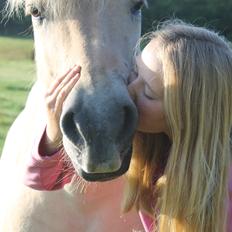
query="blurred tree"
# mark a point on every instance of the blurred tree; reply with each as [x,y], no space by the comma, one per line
[14,26]
[214,14]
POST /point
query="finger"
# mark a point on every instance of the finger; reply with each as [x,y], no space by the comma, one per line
[60,80]
[57,82]
[50,97]
[65,81]
[65,92]
[56,99]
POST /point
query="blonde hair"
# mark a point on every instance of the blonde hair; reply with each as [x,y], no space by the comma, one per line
[186,188]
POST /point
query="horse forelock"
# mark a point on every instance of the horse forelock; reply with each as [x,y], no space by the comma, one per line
[54,6]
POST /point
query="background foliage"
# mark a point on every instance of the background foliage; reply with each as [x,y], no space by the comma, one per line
[215,14]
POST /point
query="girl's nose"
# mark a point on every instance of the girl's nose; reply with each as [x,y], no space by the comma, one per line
[131,91]
[132,85]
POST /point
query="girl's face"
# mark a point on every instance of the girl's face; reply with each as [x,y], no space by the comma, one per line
[146,89]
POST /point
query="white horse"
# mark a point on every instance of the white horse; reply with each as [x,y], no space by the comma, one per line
[98,119]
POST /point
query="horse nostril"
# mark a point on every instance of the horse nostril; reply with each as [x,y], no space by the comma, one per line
[68,127]
[129,122]
[127,117]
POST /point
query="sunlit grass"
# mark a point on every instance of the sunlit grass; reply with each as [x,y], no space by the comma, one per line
[16,77]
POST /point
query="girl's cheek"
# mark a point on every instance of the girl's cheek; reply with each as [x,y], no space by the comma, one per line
[132,92]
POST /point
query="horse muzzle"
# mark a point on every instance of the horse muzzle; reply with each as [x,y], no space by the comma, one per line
[97,132]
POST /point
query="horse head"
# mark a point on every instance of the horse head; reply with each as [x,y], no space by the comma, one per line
[98,118]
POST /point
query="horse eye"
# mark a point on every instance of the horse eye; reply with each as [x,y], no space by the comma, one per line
[137,7]
[35,12]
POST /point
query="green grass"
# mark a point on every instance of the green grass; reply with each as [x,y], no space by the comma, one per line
[15,48]
[17,73]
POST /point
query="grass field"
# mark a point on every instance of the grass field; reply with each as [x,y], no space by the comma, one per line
[17,73]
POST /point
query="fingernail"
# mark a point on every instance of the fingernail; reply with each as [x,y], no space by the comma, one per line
[75,68]
[78,68]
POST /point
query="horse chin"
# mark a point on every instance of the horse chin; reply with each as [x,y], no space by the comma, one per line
[94,177]
[100,177]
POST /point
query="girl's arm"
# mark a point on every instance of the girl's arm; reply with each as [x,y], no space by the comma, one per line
[47,171]
[48,168]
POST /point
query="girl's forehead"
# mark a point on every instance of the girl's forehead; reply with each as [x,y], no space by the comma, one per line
[153,45]
[150,57]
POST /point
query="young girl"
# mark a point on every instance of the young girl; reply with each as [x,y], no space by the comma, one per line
[179,173]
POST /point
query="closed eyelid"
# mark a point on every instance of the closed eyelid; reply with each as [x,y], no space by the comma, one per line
[149,87]
[154,93]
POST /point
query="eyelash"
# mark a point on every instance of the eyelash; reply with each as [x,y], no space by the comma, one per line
[148,97]
[154,97]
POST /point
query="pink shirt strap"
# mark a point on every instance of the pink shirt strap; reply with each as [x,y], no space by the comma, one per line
[147,221]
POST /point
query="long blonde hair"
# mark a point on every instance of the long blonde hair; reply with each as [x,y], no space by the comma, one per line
[184,183]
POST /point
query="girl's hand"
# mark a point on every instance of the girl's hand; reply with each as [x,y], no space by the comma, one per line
[54,99]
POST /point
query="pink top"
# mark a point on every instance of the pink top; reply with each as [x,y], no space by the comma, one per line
[46,172]
[51,172]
